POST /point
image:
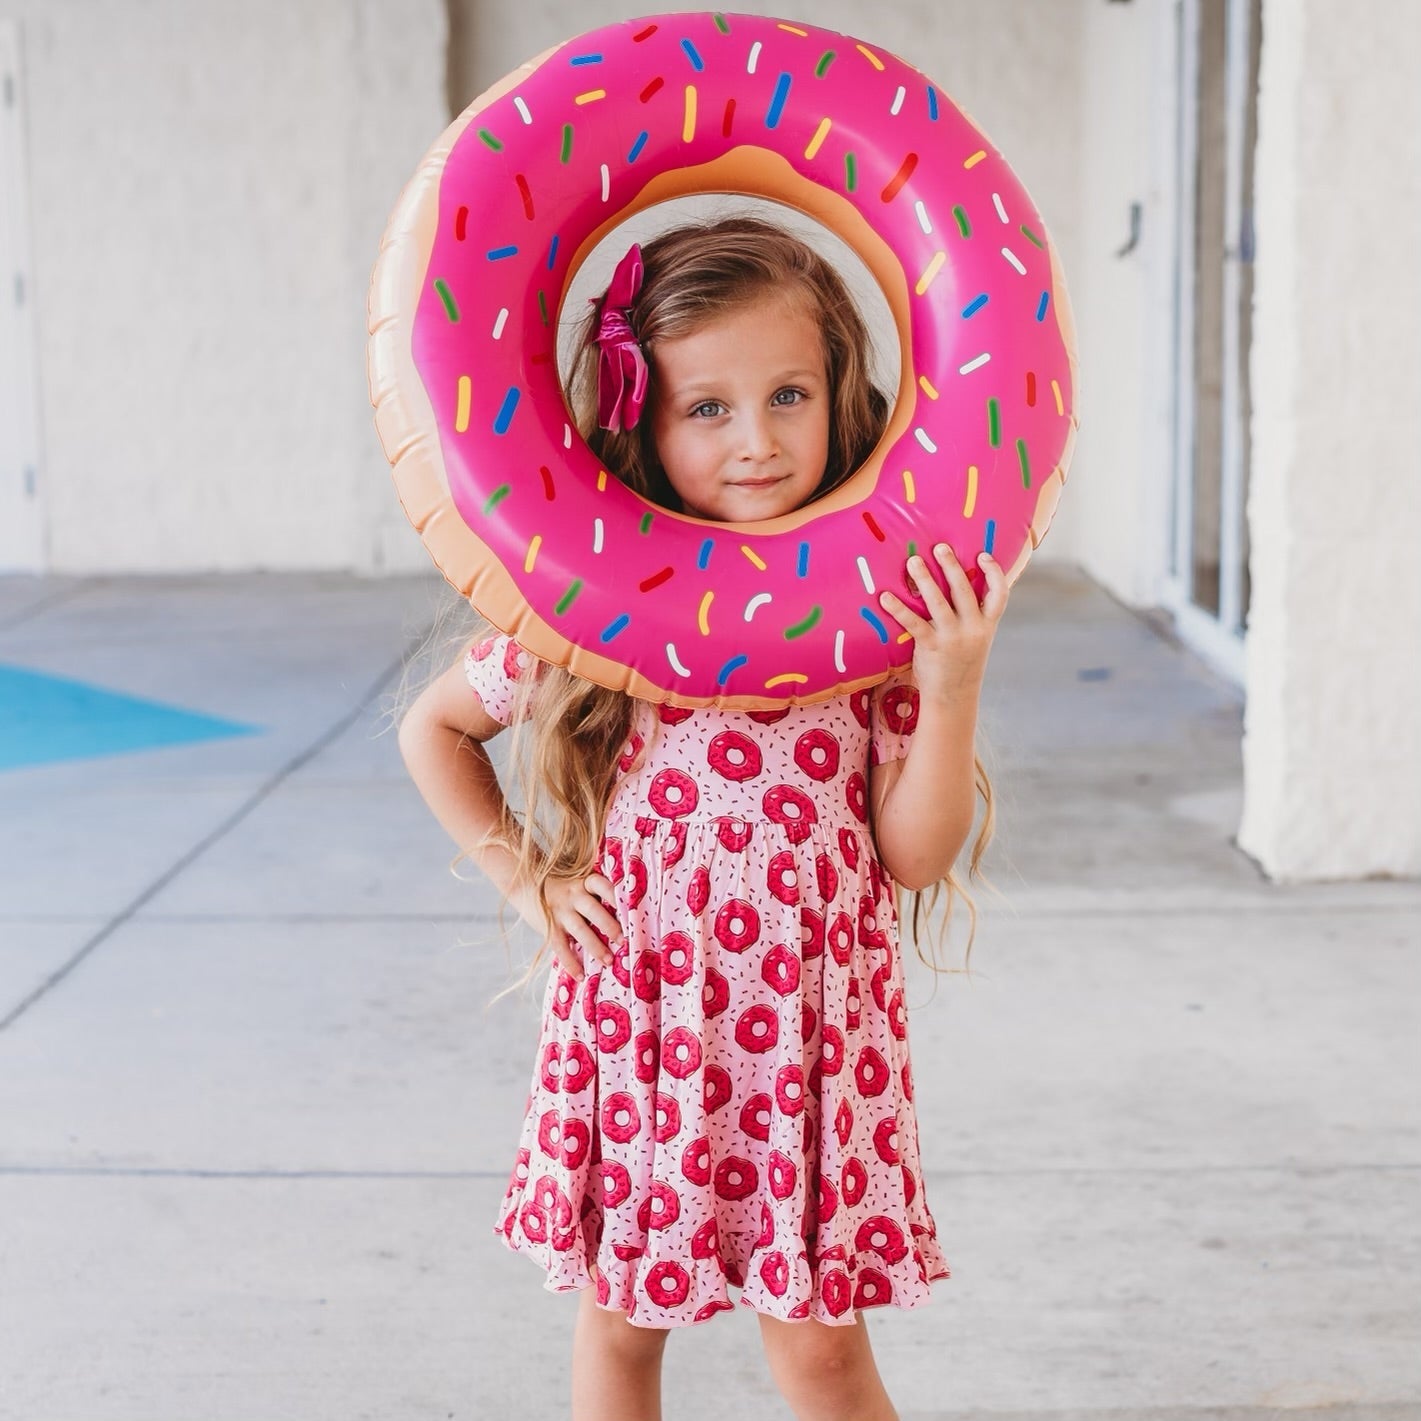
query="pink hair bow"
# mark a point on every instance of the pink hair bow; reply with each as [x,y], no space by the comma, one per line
[621,366]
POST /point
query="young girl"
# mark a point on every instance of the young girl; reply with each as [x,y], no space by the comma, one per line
[722,1092]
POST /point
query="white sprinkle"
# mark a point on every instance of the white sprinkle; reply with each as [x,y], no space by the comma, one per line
[866,575]
[567,436]
[924,440]
[675,660]
[499,324]
[523,110]
[898,100]
[755,603]
[1012,257]
[997,203]
[839,653]
[974,364]
[596,535]
[754,57]
[924,221]
[606,183]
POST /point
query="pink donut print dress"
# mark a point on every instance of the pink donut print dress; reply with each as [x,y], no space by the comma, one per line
[731,1101]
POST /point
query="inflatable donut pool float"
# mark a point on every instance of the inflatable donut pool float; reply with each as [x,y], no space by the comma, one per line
[466,296]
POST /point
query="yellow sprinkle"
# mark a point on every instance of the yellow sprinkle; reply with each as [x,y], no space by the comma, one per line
[904,636]
[909,492]
[971,491]
[590,96]
[975,158]
[461,415]
[754,558]
[688,128]
[819,135]
[934,266]
[601,481]
[703,616]
[927,385]
[797,678]
[532,552]
[869,55]
[793,30]
[1060,404]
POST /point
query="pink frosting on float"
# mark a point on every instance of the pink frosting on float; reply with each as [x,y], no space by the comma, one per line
[721,613]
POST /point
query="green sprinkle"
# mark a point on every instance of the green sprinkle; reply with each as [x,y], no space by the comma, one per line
[912,547]
[497,497]
[994,425]
[447,297]
[645,523]
[566,142]
[850,172]
[799,628]
[1031,236]
[491,140]
[1025,463]
[825,60]
[722,25]
[963,225]
[568,597]
[543,307]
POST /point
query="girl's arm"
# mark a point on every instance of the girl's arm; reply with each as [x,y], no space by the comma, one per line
[923,804]
[442,741]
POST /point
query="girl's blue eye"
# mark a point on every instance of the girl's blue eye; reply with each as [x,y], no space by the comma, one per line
[790,390]
[706,404]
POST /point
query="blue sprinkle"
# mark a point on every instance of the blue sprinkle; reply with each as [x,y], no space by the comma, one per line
[553,251]
[1041,309]
[585,59]
[991,536]
[703,557]
[778,102]
[932,103]
[615,628]
[691,54]
[803,568]
[734,664]
[505,413]
[975,306]
[873,621]
[638,146]
[498,253]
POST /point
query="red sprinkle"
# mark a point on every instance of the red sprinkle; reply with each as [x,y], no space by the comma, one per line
[651,88]
[461,222]
[728,119]
[873,527]
[1031,387]
[657,578]
[541,358]
[644,34]
[527,196]
[904,172]
[548,488]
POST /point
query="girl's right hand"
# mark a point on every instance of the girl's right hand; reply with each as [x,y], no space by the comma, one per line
[580,910]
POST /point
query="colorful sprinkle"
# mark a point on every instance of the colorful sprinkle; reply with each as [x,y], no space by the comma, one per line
[867,614]
[566,142]
[447,297]
[532,557]
[932,103]
[872,526]
[793,29]
[928,388]
[1060,404]
[703,557]
[651,88]
[1025,463]
[1001,211]
[590,97]
[1031,389]
[505,410]
[553,250]
[499,253]
[606,182]
[638,146]
[755,603]
[1031,236]
[802,568]
[976,364]
[839,652]
[721,24]
[850,172]
[585,59]
[924,221]
[825,60]
[991,536]
[910,491]
[526,194]
[973,307]
[777,101]
[599,535]
[641,35]
[461,415]
[697,63]
[898,101]
[676,664]
[754,57]
[522,108]
[615,627]
[729,669]
[543,306]
[688,124]
[461,224]
[975,158]
[491,140]
[872,58]
[895,183]
[865,574]
[649,584]
[1015,260]
[796,678]
[1042,305]
[727,118]
[932,269]
[925,439]
[703,613]
[963,225]
[817,141]
[754,557]
[971,500]
[799,628]
[994,424]
[549,492]
[496,497]
[568,597]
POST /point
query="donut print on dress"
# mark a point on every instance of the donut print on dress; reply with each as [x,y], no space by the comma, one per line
[729,1104]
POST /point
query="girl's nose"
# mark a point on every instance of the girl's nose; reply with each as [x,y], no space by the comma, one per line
[758,439]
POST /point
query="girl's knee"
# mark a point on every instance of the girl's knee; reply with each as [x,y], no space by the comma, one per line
[813,1350]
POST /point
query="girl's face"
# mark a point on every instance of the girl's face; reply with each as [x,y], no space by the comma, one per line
[741,413]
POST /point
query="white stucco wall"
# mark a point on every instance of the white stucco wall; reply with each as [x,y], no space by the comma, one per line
[1332,745]
[208,187]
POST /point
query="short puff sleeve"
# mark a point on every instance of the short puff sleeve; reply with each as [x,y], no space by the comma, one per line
[494,667]
[892,718]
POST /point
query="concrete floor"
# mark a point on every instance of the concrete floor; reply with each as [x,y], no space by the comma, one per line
[255,1118]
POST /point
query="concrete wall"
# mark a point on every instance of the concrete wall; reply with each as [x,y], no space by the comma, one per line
[1332,745]
[208,187]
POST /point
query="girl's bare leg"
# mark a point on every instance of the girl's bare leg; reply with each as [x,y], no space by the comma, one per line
[825,1373]
[616,1367]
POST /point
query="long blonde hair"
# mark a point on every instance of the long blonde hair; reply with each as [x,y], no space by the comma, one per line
[569,734]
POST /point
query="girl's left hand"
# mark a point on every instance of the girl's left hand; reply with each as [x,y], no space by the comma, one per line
[950,648]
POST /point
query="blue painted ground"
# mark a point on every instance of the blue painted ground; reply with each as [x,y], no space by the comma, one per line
[44,719]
